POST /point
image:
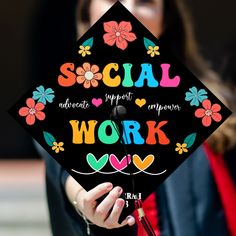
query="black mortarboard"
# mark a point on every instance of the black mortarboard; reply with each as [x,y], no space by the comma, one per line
[122,109]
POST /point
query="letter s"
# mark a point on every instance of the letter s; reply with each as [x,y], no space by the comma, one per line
[67,70]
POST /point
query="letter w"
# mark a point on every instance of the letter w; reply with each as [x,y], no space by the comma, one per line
[83,134]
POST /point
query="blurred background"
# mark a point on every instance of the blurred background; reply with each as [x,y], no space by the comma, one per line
[25,25]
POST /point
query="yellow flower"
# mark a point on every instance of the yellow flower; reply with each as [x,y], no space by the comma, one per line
[57,147]
[84,50]
[153,51]
[181,148]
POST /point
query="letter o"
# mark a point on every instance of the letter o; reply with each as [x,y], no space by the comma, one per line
[102,132]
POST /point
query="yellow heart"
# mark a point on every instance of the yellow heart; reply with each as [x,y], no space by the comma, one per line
[143,165]
[140,102]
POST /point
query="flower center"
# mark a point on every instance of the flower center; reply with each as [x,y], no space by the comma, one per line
[118,34]
[208,112]
[89,75]
[32,111]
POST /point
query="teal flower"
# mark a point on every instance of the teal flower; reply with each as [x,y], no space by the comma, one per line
[196,96]
[43,95]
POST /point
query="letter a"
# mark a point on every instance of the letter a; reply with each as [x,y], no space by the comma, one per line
[146,74]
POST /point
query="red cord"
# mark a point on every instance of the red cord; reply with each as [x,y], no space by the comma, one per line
[143,218]
[225,185]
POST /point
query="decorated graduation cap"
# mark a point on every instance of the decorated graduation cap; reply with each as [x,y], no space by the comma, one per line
[122,109]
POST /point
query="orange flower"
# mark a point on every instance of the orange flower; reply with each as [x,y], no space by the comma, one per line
[32,111]
[88,75]
[208,112]
[118,34]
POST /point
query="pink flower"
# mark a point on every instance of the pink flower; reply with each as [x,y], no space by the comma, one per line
[32,111]
[118,34]
[208,112]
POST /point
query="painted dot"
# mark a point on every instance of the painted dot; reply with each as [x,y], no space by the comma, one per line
[89,75]
[118,34]
[208,113]
[32,111]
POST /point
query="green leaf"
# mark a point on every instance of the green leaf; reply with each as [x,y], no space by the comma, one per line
[49,138]
[148,42]
[190,139]
[88,42]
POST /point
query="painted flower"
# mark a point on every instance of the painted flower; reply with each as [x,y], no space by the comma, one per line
[32,110]
[195,96]
[208,112]
[88,75]
[43,95]
[180,148]
[57,147]
[84,50]
[153,50]
[118,34]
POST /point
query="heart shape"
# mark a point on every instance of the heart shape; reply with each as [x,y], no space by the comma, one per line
[119,165]
[143,165]
[97,102]
[140,102]
[97,164]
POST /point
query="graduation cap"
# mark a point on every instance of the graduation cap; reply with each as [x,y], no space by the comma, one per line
[122,109]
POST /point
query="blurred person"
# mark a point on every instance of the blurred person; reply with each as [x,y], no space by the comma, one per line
[228,69]
[192,201]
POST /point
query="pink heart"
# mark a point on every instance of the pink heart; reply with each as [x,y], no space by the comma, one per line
[119,165]
[97,102]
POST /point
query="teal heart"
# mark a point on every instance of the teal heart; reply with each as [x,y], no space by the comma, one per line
[97,164]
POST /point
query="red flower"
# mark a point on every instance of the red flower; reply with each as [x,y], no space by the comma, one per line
[32,111]
[208,113]
[118,34]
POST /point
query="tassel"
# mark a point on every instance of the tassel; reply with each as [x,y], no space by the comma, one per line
[143,218]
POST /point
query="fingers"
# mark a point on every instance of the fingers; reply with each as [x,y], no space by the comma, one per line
[108,212]
[130,220]
[89,200]
[112,220]
[98,192]
[106,205]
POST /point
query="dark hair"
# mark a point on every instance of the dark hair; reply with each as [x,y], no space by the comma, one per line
[178,35]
